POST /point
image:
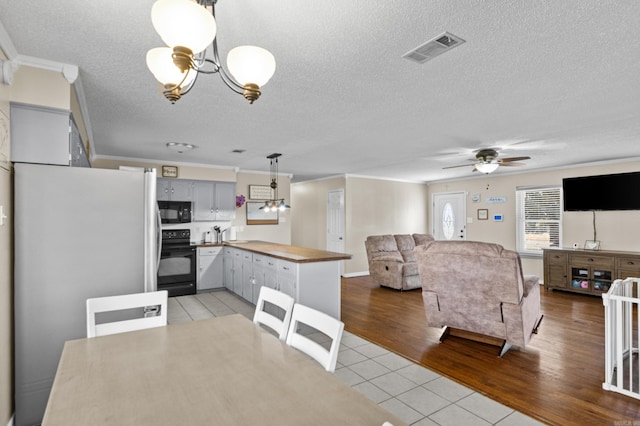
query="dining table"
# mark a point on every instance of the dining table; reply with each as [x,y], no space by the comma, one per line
[219,371]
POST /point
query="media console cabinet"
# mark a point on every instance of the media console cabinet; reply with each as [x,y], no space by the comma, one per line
[587,271]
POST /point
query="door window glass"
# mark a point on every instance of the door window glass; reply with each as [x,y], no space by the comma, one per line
[448,221]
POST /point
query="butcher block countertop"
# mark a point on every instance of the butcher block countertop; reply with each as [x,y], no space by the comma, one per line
[287,252]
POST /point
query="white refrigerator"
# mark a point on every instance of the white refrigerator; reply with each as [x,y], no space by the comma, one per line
[79,233]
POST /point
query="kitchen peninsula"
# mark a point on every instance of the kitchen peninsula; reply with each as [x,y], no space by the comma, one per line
[310,276]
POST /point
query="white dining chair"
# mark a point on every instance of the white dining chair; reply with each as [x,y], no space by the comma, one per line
[264,317]
[123,302]
[331,327]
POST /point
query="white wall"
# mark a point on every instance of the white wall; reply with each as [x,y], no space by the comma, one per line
[372,207]
[617,230]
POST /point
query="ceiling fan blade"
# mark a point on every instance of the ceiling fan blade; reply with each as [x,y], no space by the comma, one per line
[459,165]
[510,164]
[510,159]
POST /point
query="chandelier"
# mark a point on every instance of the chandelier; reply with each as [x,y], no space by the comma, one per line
[188,27]
[275,203]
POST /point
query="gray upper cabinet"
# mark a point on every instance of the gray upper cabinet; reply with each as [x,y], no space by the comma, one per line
[212,201]
[225,200]
[45,136]
[203,201]
[174,189]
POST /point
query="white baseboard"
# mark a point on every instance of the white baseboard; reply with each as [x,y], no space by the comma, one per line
[356,274]
[11,421]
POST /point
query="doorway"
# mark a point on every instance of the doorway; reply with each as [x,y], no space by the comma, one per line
[448,218]
[335,222]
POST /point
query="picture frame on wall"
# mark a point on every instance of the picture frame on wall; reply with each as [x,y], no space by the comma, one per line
[260,192]
[256,216]
[483,214]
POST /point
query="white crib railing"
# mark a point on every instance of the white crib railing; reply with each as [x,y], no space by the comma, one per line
[622,367]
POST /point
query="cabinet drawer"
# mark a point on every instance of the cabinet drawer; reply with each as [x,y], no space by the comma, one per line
[592,261]
[286,267]
[247,255]
[557,258]
[270,262]
[209,251]
[629,264]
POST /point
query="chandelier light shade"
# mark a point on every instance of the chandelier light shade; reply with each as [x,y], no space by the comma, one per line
[251,64]
[487,167]
[189,28]
[160,62]
[183,23]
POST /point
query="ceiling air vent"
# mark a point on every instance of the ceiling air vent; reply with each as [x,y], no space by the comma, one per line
[432,48]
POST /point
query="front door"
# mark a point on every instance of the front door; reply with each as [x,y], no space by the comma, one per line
[448,219]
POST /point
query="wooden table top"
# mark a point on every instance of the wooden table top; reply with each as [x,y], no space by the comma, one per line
[287,252]
[220,371]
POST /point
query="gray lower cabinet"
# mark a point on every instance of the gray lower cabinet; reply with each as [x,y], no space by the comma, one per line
[210,264]
[45,135]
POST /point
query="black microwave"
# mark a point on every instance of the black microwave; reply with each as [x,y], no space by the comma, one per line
[175,211]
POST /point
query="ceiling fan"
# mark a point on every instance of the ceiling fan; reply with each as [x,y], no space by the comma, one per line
[487,161]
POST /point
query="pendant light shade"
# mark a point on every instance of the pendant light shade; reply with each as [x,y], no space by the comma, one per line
[183,23]
[160,62]
[251,65]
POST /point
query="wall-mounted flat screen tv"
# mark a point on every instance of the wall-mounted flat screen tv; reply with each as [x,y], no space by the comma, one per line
[604,192]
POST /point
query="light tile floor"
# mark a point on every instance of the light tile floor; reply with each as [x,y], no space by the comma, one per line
[416,394]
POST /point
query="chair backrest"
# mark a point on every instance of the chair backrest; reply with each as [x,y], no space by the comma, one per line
[282,301]
[304,315]
[124,302]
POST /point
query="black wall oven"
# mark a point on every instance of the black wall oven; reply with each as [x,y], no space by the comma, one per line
[177,268]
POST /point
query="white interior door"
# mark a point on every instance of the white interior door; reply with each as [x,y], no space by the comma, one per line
[448,218]
[335,222]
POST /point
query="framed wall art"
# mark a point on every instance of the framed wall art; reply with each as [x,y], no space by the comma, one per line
[260,192]
[483,214]
[256,216]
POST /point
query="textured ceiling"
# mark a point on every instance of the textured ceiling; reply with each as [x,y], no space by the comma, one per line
[556,81]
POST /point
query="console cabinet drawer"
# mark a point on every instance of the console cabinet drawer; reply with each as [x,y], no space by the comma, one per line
[557,259]
[592,261]
[629,264]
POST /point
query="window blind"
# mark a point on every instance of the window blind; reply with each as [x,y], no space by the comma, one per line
[539,219]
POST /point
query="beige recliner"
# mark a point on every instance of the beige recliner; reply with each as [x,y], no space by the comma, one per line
[478,287]
[391,260]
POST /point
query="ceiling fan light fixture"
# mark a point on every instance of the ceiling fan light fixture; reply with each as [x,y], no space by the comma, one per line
[487,168]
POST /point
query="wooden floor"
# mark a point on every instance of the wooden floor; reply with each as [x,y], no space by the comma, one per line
[557,379]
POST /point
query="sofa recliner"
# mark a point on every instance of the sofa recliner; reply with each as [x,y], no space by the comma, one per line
[391,259]
[478,287]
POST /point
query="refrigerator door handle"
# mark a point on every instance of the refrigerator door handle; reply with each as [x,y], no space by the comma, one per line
[158,237]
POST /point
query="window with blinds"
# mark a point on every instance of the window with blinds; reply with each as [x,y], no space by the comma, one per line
[539,219]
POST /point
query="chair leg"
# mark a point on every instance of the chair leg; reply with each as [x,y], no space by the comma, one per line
[504,348]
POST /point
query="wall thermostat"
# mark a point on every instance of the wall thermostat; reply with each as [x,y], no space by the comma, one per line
[497,218]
